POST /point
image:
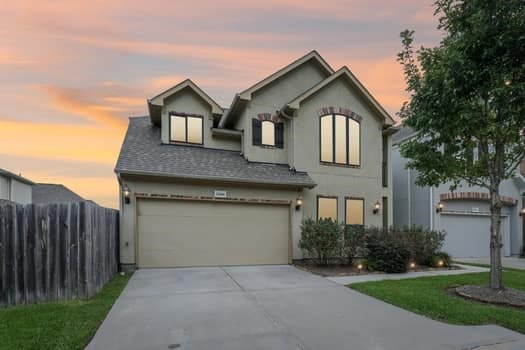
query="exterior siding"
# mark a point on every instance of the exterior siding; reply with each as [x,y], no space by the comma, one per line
[15,191]
[271,99]
[363,182]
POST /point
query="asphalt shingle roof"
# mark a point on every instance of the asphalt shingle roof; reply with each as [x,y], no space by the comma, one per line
[143,153]
[53,193]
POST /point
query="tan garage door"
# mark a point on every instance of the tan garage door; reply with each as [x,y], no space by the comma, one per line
[195,233]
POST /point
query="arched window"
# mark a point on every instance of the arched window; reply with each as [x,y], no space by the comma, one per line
[268,133]
[340,140]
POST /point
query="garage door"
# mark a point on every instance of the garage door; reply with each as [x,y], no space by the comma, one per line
[468,235]
[173,233]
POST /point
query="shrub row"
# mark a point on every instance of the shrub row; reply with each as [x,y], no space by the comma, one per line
[385,249]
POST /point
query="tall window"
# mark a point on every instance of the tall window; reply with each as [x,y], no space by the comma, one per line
[186,128]
[268,133]
[340,140]
[327,208]
[354,211]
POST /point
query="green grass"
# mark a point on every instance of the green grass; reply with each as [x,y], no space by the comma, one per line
[427,296]
[58,325]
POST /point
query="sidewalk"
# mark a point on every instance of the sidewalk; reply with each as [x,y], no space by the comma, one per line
[513,263]
[344,280]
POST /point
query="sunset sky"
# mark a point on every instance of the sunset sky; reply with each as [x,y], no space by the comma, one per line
[72,72]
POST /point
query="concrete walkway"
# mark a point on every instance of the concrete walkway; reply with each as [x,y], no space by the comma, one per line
[514,263]
[345,280]
[273,307]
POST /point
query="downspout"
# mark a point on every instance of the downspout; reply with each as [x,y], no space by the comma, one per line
[431,208]
[291,154]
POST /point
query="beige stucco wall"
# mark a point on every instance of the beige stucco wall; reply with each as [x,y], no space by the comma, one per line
[169,187]
[187,101]
[271,99]
[340,181]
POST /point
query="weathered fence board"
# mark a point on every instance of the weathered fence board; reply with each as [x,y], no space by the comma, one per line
[56,251]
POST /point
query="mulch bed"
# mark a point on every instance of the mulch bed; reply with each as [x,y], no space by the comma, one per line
[333,270]
[484,294]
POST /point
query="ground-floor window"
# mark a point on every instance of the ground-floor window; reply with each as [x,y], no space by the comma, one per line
[327,208]
[354,211]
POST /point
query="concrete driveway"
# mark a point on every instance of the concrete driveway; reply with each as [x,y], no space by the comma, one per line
[272,307]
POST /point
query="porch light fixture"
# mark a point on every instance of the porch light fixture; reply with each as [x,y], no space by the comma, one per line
[522,211]
[298,203]
[377,206]
[126,192]
[439,207]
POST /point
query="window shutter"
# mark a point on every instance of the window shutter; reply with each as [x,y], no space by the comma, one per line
[256,132]
[279,135]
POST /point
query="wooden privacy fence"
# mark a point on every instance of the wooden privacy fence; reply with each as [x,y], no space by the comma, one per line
[56,251]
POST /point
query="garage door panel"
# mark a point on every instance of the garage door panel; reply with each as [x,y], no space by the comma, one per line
[170,234]
[468,236]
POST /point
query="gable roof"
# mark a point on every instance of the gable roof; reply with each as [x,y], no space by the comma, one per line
[20,178]
[52,193]
[246,95]
[143,154]
[155,103]
[344,72]
[403,134]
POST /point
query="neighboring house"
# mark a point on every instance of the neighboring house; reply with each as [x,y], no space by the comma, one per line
[53,193]
[202,185]
[465,212]
[15,188]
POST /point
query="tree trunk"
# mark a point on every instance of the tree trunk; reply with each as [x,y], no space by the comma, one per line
[496,278]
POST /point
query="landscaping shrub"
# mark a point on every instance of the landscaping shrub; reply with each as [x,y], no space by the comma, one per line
[321,239]
[440,256]
[421,243]
[354,242]
[385,253]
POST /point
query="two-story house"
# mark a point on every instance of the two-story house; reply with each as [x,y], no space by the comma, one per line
[464,214]
[203,185]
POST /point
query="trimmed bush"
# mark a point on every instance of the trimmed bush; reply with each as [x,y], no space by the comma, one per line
[440,256]
[387,254]
[422,243]
[354,242]
[321,239]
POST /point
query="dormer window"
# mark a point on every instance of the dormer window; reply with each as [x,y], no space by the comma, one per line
[340,140]
[267,133]
[185,128]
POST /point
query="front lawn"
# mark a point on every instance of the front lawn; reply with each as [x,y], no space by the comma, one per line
[427,296]
[58,325]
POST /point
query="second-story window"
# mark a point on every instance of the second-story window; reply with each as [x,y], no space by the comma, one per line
[340,140]
[186,129]
[267,133]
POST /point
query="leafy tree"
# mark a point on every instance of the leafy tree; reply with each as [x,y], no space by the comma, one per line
[467,96]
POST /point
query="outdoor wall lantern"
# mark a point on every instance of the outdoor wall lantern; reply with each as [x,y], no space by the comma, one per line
[298,203]
[439,207]
[377,206]
[126,192]
[522,211]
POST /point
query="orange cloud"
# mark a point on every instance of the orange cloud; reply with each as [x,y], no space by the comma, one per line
[67,101]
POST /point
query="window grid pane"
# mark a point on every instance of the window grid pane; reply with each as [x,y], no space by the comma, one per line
[178,128]
[327,139]
[268,133]
[327,208]
[340,139]
[354,142]
[194,130]
[354,211]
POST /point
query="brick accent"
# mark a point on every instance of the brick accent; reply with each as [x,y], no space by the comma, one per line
[479,196]
[213,199]
[339,110]
[268,116]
